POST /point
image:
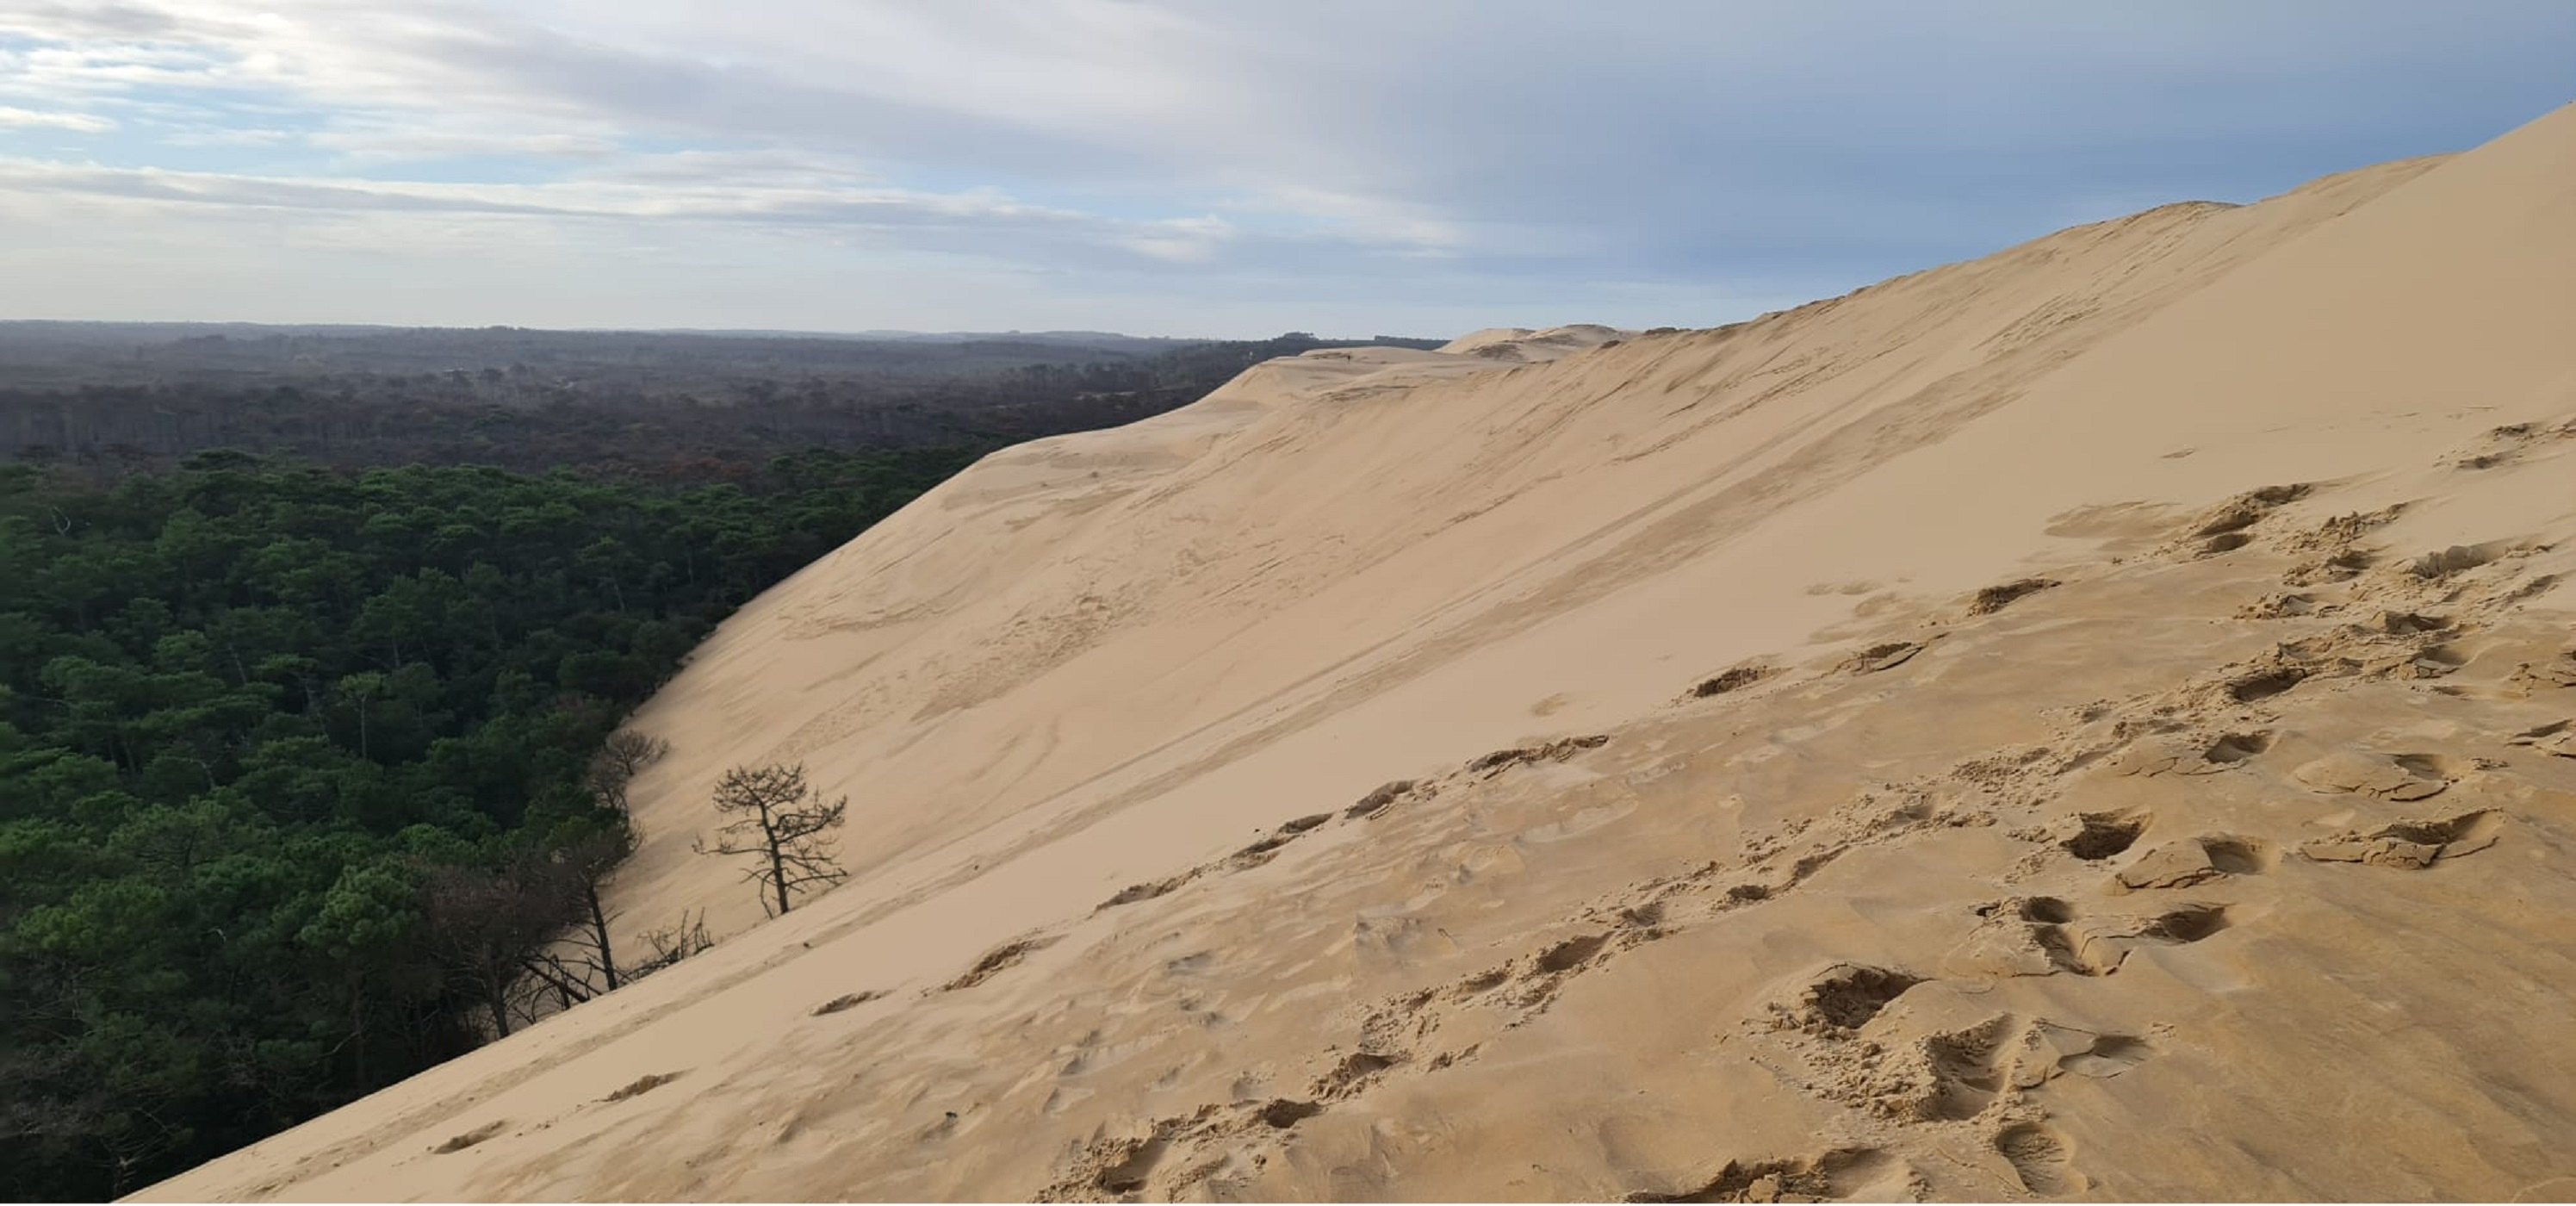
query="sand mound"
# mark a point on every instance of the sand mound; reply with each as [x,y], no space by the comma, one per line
[1924,743]
[1521,344]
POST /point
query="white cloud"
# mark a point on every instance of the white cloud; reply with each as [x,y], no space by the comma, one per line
[1430,158]
[970,222]
[1376,219]
[1181,240]
[78,123]
[415,144]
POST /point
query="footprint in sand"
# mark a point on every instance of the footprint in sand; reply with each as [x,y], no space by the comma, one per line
[2195,860]
[459,1143]
[1885,656]
[2222,529]
[1964,1072]
[2228,750]
[2049,1050]
[995,961]
[1379,800]
[2380,776]
[1841,997]
[2279,606]
[1259,853]
[1133,893]
[849,1001]
[1734,678]
[2435,661]
[2094,836]
[2461,557]
[2042,935]
[2504,445]
[2191,755]
[1268,847]
[1996,598]
[2409,845]
[1567,955]
[2342,566]
[2014,939]
[1137,1162]
[642,1085]
[1354,1073]
[2557,738]
[2530,677]
[1843,1174]
[2264,685]
[2098,948]
[1965,1075]
[1281,1113]
[1554,751]
[2041,1158]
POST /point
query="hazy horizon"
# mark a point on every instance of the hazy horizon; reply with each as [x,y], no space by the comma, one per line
[1152,168]
[779,332]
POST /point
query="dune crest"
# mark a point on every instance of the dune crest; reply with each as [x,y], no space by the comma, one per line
[2085,722]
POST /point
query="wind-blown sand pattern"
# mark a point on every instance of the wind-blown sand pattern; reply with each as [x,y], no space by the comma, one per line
[2091,722]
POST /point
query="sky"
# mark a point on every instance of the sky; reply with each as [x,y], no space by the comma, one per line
[1208,169]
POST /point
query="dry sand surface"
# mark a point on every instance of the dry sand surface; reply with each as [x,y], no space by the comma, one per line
[2098,721]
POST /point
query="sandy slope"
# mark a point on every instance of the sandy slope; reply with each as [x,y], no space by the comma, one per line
[2234,863]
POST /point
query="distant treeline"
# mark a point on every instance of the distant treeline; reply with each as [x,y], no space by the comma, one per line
[675,406]
[305,773]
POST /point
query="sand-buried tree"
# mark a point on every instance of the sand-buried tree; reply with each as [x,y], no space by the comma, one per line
[783,823]
[588,850]
[621,757]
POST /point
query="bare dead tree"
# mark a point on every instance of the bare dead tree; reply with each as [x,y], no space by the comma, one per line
[591,850]
[682,940]
[579,966]
[548,984]
[620,758]
[589,861]
[784,826]
[485,925]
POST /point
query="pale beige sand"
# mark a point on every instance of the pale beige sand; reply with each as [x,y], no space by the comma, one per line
[2240,862]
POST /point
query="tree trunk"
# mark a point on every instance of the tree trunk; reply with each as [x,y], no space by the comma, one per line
[358,1025]
[777,859]
[599,931]
[492,1000]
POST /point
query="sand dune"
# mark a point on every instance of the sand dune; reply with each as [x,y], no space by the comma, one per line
[2093,721]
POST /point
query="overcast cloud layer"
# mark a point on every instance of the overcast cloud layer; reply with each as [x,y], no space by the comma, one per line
[1421,167]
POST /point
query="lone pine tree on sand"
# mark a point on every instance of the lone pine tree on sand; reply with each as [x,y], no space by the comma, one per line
[783,823]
